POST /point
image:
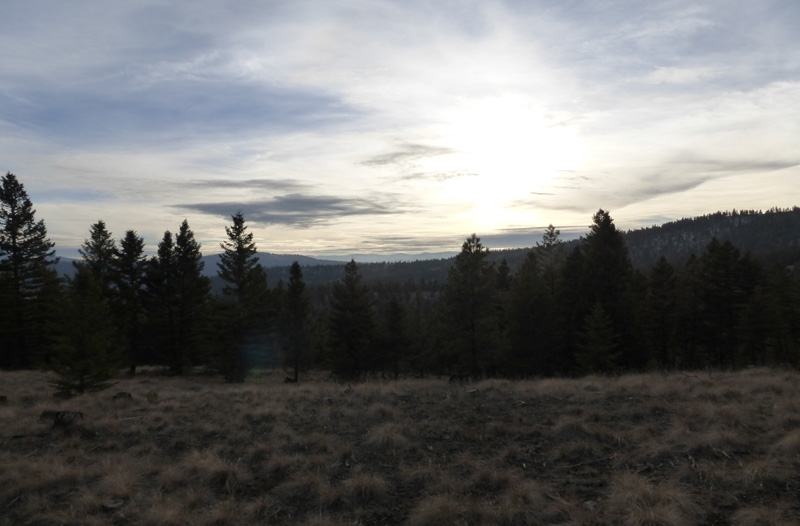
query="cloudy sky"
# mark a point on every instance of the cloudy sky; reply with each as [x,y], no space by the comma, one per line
[354,126]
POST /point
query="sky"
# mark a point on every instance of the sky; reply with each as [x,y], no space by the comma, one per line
[352,126]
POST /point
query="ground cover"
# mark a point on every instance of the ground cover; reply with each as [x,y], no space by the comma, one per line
[651,449]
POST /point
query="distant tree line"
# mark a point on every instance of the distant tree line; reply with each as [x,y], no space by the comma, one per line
[562,312]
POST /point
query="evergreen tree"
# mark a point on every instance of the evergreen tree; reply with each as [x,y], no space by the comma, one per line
[85,353]
[597,343]
[419,321]
[128,276]
[550,238]
[470,303]
[295,322]
[661,312]
[395,341]
[771,320]
[536,323]
[179,298]
[161,303]
[25,254]
[609,280]
[194,294]
[726,282]
[351,325]
[98,254]
[689,331]
[238,260]
[246,286]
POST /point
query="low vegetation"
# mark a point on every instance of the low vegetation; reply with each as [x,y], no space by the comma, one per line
[654,449]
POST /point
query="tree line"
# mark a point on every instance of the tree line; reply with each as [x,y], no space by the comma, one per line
[563,312]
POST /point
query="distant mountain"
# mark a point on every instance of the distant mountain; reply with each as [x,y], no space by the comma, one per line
[773,236]
[391,258]
[268,260]
[65,265]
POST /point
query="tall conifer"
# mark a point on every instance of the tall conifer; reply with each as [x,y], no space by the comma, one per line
[25,254]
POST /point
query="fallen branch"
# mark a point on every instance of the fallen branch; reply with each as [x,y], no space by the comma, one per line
[585,463]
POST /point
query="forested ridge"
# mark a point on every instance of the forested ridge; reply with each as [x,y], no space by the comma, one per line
[773,236]
[717,291]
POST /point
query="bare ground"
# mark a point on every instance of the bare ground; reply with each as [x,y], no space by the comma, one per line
[655,449]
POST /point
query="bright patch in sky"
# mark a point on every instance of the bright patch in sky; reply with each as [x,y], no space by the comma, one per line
[396,126]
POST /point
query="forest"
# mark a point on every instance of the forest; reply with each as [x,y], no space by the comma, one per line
[564,309]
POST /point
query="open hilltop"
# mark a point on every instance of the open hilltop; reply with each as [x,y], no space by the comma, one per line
[658,449]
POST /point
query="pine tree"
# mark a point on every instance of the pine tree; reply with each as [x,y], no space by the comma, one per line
[246,287]
[351,325]
[661,311]
[295,322]
[178,299]
[128,276]
[238,259]
[724,291]
[98,254]
[536,324]
[86,352]
[397,341]
[25,254]
[470,304]
[609,280]
[550,238]
[598,343]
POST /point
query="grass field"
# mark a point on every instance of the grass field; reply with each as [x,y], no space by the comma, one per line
[655,449]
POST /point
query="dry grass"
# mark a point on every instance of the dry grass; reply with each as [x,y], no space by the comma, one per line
[655,449]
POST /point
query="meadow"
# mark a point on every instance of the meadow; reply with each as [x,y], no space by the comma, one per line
[650,449]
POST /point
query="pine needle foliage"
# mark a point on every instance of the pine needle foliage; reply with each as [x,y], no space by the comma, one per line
[25,255]
[85,349]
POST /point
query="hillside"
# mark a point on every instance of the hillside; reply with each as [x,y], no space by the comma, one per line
[774,236]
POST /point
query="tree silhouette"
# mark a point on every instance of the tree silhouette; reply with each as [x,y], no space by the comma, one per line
[662,312]
[295,322]
[597,343]
[179,297]
[238,260]
[246,287]
[351,325]
[86,351]
[609,280]
[25,254]
[471,310]
[98,254]
[396,341]
[128,275]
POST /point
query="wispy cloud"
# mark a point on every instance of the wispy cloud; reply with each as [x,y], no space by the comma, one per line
[407,153]
[266,184]
[297,209]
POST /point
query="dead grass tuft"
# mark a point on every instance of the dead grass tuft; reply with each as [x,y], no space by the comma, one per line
[302,490]
[491,479]
[365,488]
[387,437]
[442,510]
[789,443]
[763,516]
[634,500]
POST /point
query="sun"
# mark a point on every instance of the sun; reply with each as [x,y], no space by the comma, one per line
[504,148]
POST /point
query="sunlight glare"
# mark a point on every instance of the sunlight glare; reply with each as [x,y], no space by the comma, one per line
[509,147]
